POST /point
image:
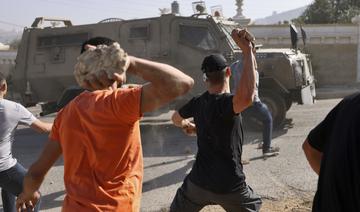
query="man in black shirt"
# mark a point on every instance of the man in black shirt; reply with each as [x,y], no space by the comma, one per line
[333,151]
[217,175]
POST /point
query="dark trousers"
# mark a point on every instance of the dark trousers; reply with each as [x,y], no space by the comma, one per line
[261,112]
[11,183]
[190,198]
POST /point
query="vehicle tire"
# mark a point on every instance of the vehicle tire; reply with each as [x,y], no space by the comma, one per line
[250,122]
[68,95]
[276,105]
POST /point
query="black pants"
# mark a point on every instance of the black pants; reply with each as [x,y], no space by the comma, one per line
[190,197]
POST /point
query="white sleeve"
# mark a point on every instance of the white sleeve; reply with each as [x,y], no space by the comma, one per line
[25,116]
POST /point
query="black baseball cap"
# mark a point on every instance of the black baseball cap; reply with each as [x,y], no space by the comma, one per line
[214,62]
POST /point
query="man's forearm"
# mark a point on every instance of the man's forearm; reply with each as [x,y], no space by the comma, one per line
[41,127]
[247,82]
[32,183]
[37,171]
[179,121]
[244,92]
[167,79]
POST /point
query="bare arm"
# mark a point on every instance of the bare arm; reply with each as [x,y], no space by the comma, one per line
[188,127]
[244,93]
[41,127]
[35,175]
[179,121]
[313,156]
[165,83]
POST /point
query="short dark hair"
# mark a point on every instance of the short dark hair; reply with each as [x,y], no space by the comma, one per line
[2,78]
[216,77]
[97,41]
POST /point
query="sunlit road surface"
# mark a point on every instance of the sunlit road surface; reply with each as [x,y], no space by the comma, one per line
[284,181]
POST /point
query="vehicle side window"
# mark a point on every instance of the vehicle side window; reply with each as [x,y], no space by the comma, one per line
[196,36]
[61,40]
[141,33]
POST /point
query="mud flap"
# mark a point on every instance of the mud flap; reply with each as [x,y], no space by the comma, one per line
[307,96]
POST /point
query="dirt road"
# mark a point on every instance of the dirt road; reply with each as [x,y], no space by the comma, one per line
[285,182]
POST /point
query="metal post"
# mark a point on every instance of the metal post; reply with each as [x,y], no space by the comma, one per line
[356,20]
[239,10]
[239,17]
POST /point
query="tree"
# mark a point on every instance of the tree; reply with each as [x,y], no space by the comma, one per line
[14,45]
[330,11]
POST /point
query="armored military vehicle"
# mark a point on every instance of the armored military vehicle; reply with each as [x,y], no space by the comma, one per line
[46,57]
[285,77]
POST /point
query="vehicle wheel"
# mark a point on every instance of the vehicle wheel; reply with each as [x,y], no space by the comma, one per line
[276,105]
[250,122]
[67,96]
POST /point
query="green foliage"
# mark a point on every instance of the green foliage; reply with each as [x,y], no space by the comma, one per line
[14,45]
[330,11]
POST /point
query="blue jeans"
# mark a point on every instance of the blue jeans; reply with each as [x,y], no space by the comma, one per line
[11,183]
[261,112]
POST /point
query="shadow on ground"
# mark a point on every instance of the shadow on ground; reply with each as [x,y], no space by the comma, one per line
[168,179]
[159,139]
[253,134]
[53,200]
[165,139]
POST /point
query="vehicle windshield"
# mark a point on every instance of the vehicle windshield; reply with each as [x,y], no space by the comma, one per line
[195,36]
[227,29]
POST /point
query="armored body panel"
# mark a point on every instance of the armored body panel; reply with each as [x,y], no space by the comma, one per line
[46,57]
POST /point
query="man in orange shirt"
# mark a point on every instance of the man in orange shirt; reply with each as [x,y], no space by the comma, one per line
[98,135]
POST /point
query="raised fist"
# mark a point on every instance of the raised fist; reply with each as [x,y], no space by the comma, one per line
[244,33]
[243,38]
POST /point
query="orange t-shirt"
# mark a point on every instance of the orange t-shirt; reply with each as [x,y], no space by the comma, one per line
[99,135]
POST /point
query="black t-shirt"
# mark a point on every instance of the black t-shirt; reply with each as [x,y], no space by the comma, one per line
[218,165]
[338,138]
